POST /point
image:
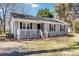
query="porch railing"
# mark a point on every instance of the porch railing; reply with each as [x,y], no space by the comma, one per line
[29,33]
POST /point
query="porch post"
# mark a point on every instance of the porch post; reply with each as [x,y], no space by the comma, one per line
[45,31]
[14,31]
[18,31]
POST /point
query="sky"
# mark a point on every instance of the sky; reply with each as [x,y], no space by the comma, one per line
[32,8]
[35,7]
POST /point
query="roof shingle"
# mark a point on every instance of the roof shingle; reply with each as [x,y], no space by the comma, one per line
[23,16]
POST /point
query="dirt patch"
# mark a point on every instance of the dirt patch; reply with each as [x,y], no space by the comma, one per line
[10,44]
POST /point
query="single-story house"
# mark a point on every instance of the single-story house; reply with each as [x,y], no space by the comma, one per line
[26,26]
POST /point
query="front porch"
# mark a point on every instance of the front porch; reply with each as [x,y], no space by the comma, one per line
[24,30]
[29,33]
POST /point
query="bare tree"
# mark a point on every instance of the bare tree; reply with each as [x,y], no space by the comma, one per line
[5,7]
[16,7]
[22,8]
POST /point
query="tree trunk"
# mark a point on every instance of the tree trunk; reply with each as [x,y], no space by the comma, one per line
[4,23]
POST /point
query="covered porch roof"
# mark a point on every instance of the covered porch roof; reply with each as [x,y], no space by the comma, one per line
[34,19]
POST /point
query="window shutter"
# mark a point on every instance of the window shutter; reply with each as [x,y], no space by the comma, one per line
[60,27]
[49,27]
[54,27]
[64,27]
[30,25]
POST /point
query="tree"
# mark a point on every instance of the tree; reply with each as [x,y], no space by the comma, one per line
[0,21]
[22,8]
[1,28]
[8,7]
[66,13]
[5,7]
[44,12]
[71,11]
[60,11]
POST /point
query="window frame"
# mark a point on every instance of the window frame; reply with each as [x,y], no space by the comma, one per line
[52,27]
[29,25]
[62,27]
[23,25]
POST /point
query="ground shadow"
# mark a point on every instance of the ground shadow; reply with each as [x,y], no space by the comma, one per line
[18,53]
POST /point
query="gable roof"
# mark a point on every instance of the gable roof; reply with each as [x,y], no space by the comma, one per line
[29,17]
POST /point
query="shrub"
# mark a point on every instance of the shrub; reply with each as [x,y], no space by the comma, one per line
[70,35]
[77,26]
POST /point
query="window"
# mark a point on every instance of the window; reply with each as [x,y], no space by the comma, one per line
[29,26]
[24,26]
[52,27]
[62,27]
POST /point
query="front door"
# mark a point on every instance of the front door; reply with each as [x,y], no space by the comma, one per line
[38,26]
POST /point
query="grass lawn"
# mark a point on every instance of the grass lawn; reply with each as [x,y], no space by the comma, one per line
[59,46]
[54,46]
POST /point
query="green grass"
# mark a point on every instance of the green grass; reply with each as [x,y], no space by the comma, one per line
[52,47]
